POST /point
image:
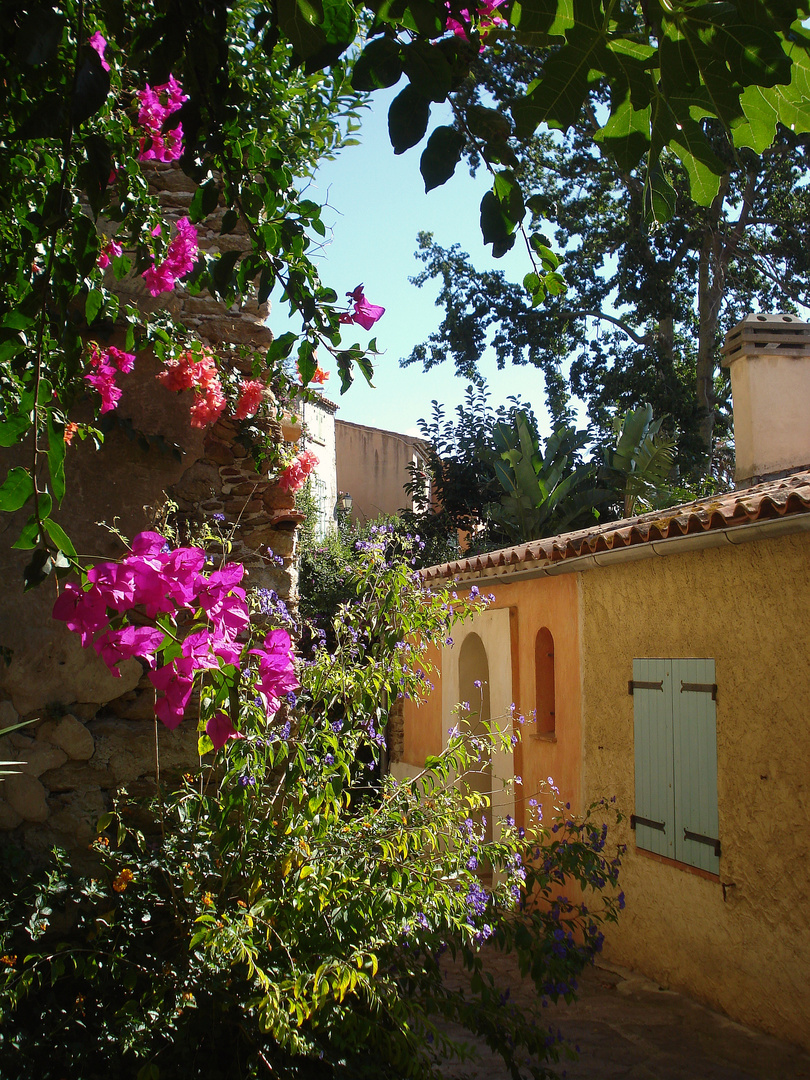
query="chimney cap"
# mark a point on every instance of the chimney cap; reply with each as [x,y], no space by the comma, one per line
[766,334]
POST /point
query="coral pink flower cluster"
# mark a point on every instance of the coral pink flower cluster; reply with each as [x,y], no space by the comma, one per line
[487,20]
[364,314]
[251,395]
[198,372]
[104,364]
[179,261]
[157,105]
[171,583]
[294,476]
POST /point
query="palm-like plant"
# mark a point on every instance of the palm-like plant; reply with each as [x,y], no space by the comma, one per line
[545,492]
[641,461]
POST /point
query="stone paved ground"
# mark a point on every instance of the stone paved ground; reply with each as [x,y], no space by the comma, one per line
[629,1028]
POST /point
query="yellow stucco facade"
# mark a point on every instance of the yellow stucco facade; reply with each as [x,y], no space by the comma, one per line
[738,939]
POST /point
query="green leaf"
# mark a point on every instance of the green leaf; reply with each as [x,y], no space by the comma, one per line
[230,219]
[39,568]
[626,135]
[378,66]
[59,537]
[15,426]
[205,200]
[408,118]
[428,70]
[93,305]
[17,489]
[508,192]
[440,156]
[659,196]
[307,364]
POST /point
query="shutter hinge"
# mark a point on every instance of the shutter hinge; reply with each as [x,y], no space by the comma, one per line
[699,838]
[634,684]
[699,688]
[636,820]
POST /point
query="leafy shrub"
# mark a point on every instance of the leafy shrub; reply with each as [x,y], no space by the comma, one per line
[265,919]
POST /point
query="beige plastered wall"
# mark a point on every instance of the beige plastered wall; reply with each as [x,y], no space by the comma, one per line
[372,466]
[546,602]
[739,942]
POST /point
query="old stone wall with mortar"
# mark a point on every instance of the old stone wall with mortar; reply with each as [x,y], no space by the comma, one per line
[93,733]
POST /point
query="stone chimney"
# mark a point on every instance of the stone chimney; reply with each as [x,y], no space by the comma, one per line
[769,360]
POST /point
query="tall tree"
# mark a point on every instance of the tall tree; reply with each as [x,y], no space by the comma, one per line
[654,279]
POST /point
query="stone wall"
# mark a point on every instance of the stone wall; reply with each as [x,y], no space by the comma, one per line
[92,733]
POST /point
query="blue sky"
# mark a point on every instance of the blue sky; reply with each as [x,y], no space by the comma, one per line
[377,205]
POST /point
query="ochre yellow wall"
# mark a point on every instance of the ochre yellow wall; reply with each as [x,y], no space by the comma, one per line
[740,943]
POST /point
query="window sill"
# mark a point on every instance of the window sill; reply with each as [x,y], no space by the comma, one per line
[677,864]
[544,736]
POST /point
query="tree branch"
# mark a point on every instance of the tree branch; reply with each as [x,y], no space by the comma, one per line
[646,339]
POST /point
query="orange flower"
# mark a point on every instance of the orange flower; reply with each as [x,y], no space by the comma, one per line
[9,961]
[123,879]
[70,431]
[208,900]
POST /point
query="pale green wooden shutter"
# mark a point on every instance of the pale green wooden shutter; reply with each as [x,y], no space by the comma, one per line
[695,764]
[652,719]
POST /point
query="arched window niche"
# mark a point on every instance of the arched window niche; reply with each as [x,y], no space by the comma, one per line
[545,703]
[473,667]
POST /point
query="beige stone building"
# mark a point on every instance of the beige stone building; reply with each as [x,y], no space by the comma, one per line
[664,660]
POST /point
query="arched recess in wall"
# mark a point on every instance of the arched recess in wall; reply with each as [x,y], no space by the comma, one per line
[545,697]
[473,667]
[493,629]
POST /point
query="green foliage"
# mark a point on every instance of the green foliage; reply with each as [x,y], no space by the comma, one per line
[641,462]
[271,916]
[545,492]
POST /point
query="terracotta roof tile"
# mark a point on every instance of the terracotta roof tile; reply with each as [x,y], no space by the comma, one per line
[769,500]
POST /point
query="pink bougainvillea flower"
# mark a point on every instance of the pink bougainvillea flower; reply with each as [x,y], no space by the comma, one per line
[251,395]
[208,407]
[276,675]
[104,363]
[83,612]
[103,380]
[99,43]
[113,646]
[179,261]
[111,250]
[219,729]
[175,681]
[487,20]
[148,543]
[294,476]
[364,314]
[156,105]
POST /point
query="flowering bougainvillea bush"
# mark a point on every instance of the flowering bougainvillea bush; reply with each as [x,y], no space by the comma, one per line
[284,913]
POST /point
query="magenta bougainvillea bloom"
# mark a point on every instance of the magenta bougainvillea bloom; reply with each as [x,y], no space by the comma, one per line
[219,729]
[156,580]
[103,365]
[113,646]
[156,105]
[111,250]
[364,314]
[488,20]
[99,43]
[83,611]
[179,261]
[276,676]
[294,476]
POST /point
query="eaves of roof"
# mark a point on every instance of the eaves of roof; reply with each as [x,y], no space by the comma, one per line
[776,506]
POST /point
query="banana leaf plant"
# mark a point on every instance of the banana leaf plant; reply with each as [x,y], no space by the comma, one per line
[640,464]
[545,492]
